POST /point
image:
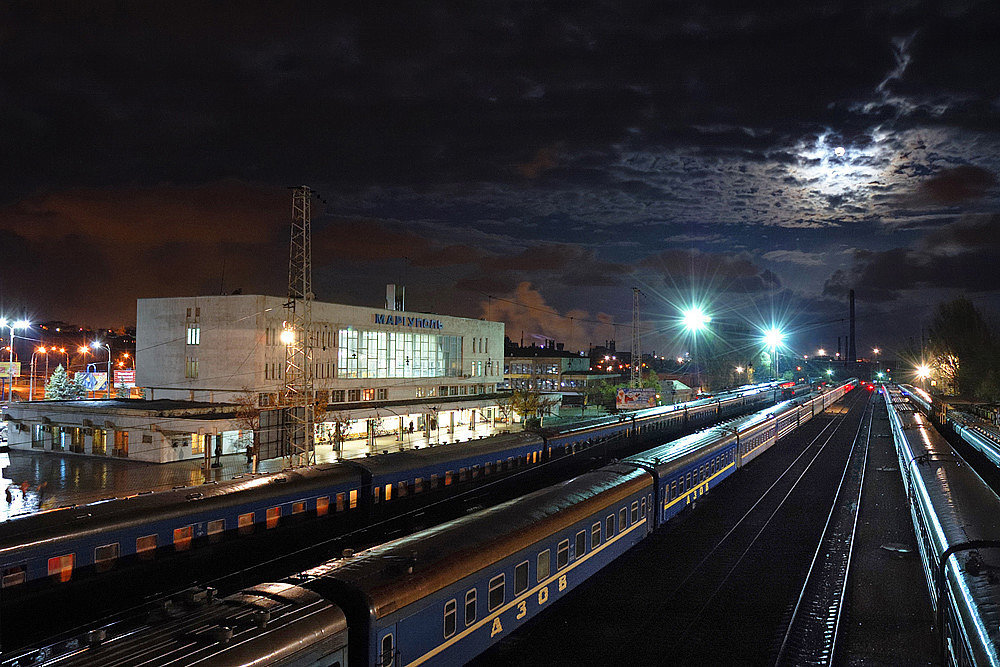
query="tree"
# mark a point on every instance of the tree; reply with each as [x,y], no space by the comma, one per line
[247,416]
[531,405]
[961,346]
[60,387]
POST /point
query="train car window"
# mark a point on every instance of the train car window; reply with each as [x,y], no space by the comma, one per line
[182,538]
[581,544]
[435,481]
[635,512]
[543,563]
[216,529]
[643,507]
[450,618]
[105,557]
[244,523]
[14,575]
[272,517]
[403,489]
[388,492]
[61,567]
[145,546]
[595,535]
[463,474]
[622,520]
[418,485]
[609,527]
[562,554]
[487,469]
[673,489]
[688,485]
[323,504]
[448,475]
[376,493]
[470,607]
[497,592]
[388,654]
[521,578]
[649,498]
[299,507]
[353,499]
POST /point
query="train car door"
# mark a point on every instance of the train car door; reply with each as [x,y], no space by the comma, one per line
[387,649]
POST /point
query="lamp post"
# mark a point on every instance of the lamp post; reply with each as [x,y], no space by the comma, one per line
[97,345]
[11,325]
[875,352]
[773,338]
[695,321]
[31,382]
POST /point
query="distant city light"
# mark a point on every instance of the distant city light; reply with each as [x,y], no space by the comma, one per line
[821,352]
[739,369]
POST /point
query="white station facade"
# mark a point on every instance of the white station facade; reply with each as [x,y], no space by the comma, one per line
[378,371]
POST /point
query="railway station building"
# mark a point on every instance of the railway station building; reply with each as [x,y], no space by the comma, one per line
[377,371]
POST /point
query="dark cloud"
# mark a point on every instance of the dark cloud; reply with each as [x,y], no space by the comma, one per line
[685,270]
[956,185]
[962,255]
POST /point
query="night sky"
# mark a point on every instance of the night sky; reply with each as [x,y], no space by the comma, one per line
[523,161]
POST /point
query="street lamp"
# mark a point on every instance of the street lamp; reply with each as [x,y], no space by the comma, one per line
[11,325]
[31,382]
[773,338]
[98,345]
[695,320]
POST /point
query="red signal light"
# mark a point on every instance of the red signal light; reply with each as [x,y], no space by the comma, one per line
[871,387]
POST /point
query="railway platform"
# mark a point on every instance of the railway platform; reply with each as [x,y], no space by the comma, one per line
[75,479]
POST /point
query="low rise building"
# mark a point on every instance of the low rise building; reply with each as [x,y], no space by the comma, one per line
[376,372]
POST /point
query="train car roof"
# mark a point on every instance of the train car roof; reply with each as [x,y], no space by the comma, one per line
[406,570]
[414,459]
[147,507]
[964,507]
[282,622]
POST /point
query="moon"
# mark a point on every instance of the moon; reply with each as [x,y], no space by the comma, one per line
[839,151]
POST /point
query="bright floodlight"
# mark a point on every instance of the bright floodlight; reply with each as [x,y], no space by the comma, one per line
[829,371]
[839,151]
[287,336]
[880,375]
[96,345]
[821,352]
[739,369]
[923,371]
[773,337]
[695,319]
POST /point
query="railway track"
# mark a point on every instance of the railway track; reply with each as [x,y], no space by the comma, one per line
[811,635]
[660,603]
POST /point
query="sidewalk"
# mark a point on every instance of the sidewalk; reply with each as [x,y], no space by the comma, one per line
[75,479]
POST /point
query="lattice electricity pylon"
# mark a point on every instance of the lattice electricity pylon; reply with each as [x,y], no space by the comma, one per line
[636,354]
[297,397]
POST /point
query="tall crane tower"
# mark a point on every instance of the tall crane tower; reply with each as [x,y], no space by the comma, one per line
[297,396]
[636,353]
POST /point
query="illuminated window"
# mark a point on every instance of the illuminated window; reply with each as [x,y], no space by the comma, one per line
[367,394]
[273,514]
[61,567]
[182,538]
[194,334]
[245,523]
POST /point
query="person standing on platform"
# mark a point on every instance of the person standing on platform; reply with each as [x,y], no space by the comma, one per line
[10,497]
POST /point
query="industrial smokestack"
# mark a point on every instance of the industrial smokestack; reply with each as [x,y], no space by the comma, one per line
[852,350]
